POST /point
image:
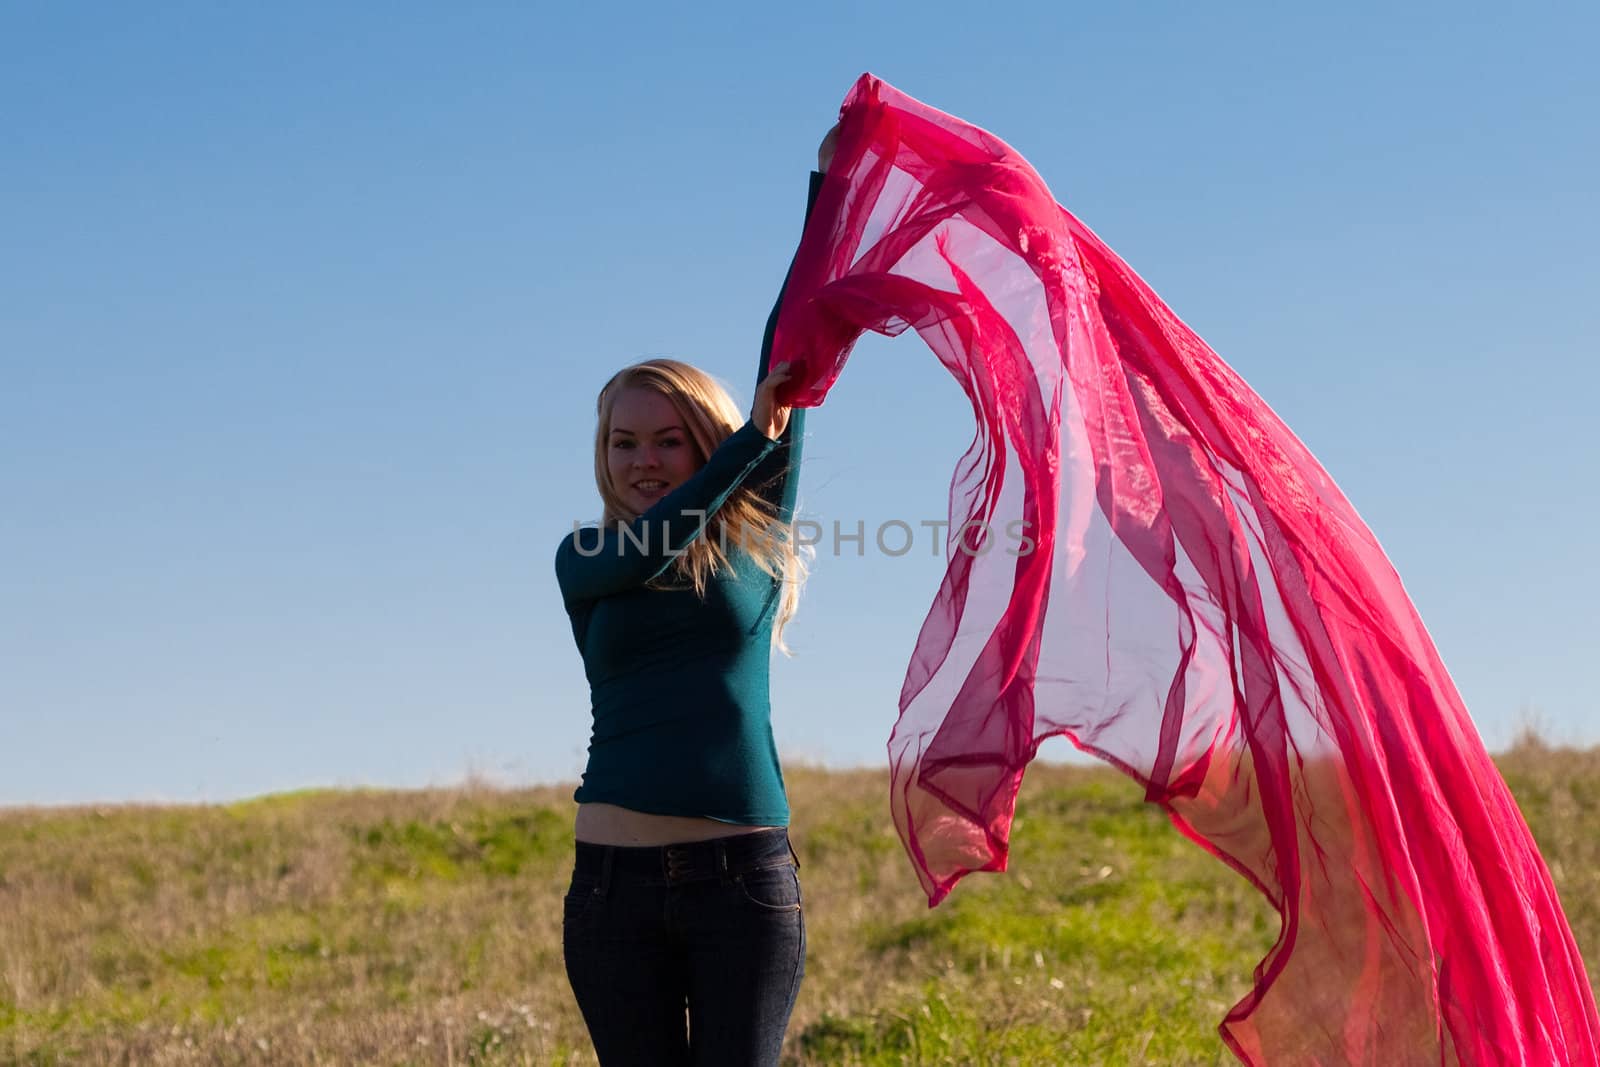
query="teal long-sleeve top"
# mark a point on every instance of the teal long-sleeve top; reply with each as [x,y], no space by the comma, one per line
[679,684]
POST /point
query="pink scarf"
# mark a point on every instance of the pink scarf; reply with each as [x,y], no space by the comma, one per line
[1199,605]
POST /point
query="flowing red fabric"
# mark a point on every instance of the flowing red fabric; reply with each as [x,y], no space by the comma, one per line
[1199,606]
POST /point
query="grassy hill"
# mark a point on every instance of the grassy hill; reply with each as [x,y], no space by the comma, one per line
[424,928]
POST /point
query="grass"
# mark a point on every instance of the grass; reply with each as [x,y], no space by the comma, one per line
[424,928]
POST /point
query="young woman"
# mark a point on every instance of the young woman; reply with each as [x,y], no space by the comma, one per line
[682,932]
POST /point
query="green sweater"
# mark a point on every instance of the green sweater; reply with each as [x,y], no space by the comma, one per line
[679,684]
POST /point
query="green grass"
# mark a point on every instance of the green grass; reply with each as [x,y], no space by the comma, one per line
[424,928]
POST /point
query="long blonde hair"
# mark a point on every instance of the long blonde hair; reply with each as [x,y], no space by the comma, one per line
[745,518]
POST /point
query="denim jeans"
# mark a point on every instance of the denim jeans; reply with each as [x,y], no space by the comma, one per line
[711,930]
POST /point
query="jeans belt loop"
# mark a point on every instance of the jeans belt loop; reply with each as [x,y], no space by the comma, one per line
[722,862]
[605,872]
[792,854]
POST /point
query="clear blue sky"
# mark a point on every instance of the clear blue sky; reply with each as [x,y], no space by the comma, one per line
[303,309]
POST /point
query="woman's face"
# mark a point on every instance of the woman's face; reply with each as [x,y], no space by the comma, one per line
[649,451]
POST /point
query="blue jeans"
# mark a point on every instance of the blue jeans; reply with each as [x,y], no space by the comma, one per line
[711,929]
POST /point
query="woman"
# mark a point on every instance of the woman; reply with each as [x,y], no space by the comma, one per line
[685,899]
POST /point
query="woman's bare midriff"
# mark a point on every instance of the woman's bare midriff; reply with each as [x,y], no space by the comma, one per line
[607,824]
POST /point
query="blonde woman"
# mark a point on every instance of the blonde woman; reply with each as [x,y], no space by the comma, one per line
[682,932]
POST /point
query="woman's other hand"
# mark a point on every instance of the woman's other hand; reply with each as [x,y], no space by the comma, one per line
[830,141]
[768,415]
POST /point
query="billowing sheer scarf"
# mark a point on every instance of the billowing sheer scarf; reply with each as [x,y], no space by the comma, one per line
[1144,558]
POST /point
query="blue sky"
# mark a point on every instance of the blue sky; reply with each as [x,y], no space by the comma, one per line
[303,309]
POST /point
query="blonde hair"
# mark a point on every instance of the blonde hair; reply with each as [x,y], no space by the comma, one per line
[710,416]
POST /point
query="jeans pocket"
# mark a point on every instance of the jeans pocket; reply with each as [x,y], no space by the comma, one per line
[582,897]
[774,889]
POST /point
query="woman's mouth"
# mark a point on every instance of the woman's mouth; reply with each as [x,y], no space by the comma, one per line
[650,487]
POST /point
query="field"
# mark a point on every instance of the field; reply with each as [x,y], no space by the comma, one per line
[424,928]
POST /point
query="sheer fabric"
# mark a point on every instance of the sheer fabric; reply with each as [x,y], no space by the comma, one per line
[1145,559]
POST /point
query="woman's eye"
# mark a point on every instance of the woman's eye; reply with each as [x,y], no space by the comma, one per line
[671,442]
[622,444]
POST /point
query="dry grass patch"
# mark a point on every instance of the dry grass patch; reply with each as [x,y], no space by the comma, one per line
[424,928]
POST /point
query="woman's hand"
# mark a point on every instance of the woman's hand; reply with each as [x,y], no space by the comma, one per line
[830,141]
[769,416]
